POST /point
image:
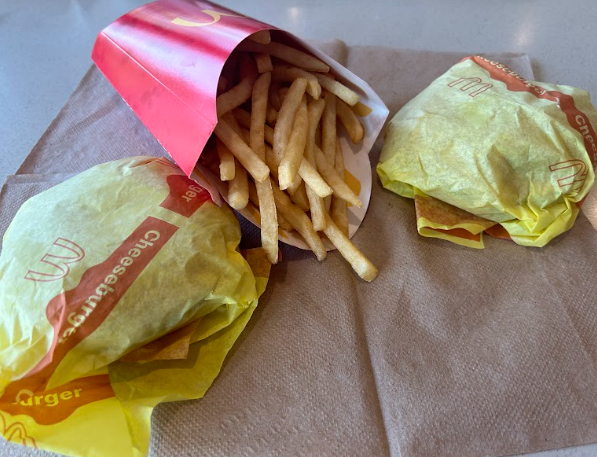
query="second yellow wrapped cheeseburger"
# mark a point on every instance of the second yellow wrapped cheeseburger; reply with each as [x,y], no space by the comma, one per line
[483,150]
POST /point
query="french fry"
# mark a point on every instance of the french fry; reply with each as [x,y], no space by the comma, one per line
[234,97]
[258,114]
[274,95]
[262,37]
[230,71]
[263,62]
[283,222]
[286,116]
[338,89]
[272,162]
[335,181]
[282,93]
[267,206]
[269,219]
[350,121]
[295,184]
[293,154]
[244,118]
[227,167]
[234,125]
[327,203]
[269,135]
[289,74]
[361,109]
[313,179]
[238,188]
[247,68]
[245,135]
[300,222]
[245,155]
[222,84]
[317,209]
[240,131]
[315,111]
[300,197]
[287,54]
[363,267]
[271,115]
[328,128]
[242,91]
[338,209]
[253,198]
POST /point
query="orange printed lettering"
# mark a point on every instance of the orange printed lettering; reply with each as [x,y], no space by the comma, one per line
[102,290]
[66,395]
[111,279]
[75,319]
[126,261]
[142,244]
[51,399]
[152,235]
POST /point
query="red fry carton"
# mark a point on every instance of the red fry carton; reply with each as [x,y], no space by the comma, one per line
[165,60]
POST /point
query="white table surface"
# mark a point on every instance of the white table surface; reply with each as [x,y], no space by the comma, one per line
[45,48]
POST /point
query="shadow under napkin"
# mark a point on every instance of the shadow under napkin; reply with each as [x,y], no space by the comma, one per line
[450,351]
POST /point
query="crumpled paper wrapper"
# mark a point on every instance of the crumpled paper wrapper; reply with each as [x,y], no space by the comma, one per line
[166,288]
[449,352]
[481,148]
[185,256]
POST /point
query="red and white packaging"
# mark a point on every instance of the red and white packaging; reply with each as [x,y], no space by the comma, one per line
[165,60]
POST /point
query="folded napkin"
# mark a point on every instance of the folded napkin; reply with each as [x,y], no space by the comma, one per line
[450,351]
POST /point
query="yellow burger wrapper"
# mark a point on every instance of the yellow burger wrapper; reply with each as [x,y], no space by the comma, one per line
[107,264]
[482,150]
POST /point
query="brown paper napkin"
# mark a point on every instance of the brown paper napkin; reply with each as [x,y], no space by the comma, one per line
[450,351]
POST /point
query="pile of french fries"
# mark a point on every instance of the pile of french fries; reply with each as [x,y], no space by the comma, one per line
[277,143]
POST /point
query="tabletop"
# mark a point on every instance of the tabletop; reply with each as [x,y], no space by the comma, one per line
[45,50]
